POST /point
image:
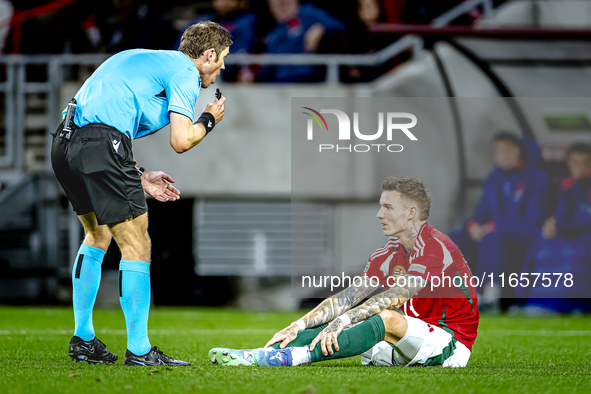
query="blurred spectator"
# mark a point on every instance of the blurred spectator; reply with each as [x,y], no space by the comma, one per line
[359,40]
[424,11]
[573,213]
[231,14]
[565,242]
[299,29]
[129,24]
[6,11]
[45,26]
[393,10]
[509,215]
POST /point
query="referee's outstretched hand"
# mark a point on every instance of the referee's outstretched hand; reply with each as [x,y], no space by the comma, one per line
[216,109]
[158,185]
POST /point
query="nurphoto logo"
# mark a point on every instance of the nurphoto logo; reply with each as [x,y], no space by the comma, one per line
[393,127]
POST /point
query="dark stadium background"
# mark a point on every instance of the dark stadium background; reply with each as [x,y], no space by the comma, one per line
[489,49]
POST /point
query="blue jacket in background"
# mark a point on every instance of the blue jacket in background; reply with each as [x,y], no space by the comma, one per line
[569,252]
[240,26]
[573,212]
[289,38]
[514,199]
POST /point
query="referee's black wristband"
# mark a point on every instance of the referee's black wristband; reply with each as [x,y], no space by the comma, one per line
[207,120]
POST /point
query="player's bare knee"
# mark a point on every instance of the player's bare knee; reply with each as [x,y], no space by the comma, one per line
[395,324]
[98,237]
[136,249]
[389,315]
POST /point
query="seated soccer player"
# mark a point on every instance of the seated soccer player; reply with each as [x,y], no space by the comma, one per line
[420,319]
[509,215]
[565,243]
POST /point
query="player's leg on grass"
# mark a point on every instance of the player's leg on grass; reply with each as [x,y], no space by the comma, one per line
[396,327]
[386,326]
[411,341]
[86,278]
[134,291]
[246,357]
[387,339]
[304,338]
[352,341]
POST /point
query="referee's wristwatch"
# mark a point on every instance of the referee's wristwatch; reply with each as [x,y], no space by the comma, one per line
[141,170]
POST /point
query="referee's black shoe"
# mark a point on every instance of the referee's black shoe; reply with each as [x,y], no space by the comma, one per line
[152,358]
[93,352]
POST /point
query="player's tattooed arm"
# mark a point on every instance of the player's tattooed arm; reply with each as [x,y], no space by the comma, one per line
[392,298]
[327,310]
[389,299]
[339,303]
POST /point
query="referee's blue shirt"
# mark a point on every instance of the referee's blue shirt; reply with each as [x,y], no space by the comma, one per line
[133,91]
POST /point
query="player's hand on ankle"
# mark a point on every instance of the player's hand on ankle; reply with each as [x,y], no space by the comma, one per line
[285,336]
[328,337]
[158,185]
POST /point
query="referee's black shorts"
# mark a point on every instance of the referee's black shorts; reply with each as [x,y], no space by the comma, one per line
[97,171]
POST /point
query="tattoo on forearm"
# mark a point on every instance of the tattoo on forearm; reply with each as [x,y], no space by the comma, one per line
[335,327]
[339,303]
[290,334]
[389,299]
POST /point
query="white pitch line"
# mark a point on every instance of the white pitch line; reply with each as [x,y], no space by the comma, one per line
[542,333]
[155,332]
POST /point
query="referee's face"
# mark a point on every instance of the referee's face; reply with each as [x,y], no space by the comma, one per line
[212,68]
[393,214]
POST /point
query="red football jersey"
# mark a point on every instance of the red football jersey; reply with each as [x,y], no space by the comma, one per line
[449,301]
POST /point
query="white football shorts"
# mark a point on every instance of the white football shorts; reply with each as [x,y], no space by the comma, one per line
[423,345]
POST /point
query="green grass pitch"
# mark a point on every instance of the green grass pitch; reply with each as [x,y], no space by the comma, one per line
[511,355]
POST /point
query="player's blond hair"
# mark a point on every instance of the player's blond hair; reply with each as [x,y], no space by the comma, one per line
[411,189]
[202,36]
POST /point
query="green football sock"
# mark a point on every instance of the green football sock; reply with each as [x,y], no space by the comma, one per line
[304,338]
[354,340]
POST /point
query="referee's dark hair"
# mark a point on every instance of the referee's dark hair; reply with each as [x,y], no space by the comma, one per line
[510,137]
[202,36]
[579,147]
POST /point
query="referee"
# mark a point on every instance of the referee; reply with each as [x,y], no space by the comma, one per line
[132,95]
